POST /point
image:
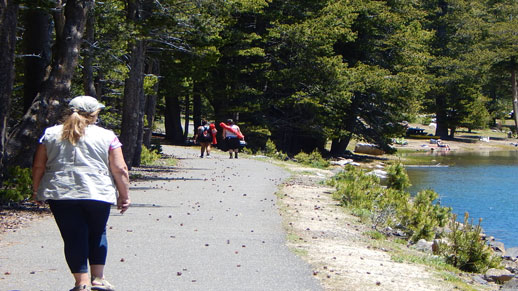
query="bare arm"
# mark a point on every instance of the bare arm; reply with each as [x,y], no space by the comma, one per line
[119,170]
[38,169]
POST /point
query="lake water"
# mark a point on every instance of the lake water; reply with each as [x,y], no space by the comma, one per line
[483,184]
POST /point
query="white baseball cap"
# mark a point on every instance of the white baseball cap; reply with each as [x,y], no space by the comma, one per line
[86,104]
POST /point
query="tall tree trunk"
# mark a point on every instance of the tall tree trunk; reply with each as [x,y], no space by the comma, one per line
[441,44]
[338,146]
[452,132]
[153,68]
[131,108]
[344,141]
[88,70]
[37,43]
[441,117]
[173,121]
[140,126]
[8,17]
[99,88]
[133,100]
[48,105]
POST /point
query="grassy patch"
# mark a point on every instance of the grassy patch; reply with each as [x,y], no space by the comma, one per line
[292,237]
[166,161]
[399,241]
[436,262]
[399,253]
[363,214]
[375,235]
[300,252]
[455,280]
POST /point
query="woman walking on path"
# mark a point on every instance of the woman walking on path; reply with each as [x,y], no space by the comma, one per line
[204,137]
[232,136]
[78,169]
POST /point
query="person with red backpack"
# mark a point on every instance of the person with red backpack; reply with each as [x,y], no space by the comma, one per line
[203,136]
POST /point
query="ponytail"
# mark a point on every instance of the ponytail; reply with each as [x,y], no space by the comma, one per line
[75,125]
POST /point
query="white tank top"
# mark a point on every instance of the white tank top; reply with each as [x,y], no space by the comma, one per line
[230,133]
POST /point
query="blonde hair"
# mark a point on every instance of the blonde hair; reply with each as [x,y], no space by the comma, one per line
[75,125]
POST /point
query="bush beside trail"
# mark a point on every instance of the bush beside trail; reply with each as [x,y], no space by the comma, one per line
[393,211]
[17,187]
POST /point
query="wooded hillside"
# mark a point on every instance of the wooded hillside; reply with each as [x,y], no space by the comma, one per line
[299,72]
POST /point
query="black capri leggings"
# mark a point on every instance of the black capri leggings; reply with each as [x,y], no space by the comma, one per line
[82,224]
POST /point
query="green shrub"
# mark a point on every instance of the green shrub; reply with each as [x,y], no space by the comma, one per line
[247,150]
[281,156]
[418,217]
[465,248]
[363,214]
[349,173]
[397,177]
[270,150]
[375,235]
[314,159]
[423,218]
[302,158]
[17,186]
[256,137]
[317,160]
[148,157]
[389,208]
[356,189]
[400,241]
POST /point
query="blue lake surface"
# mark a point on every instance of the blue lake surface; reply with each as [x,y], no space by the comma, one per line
[483,184]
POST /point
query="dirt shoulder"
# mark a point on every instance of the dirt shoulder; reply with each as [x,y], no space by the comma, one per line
[343,255]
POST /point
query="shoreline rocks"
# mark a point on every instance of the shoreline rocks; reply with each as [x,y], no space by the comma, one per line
[499,276]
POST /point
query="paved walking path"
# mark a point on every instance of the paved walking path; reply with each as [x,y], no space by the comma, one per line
[207,224]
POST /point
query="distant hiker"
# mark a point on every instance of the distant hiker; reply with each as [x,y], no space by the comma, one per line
[204,137]
[78,169]
[232,136]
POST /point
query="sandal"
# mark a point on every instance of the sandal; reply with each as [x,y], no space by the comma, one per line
[81,287]
[102,284]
